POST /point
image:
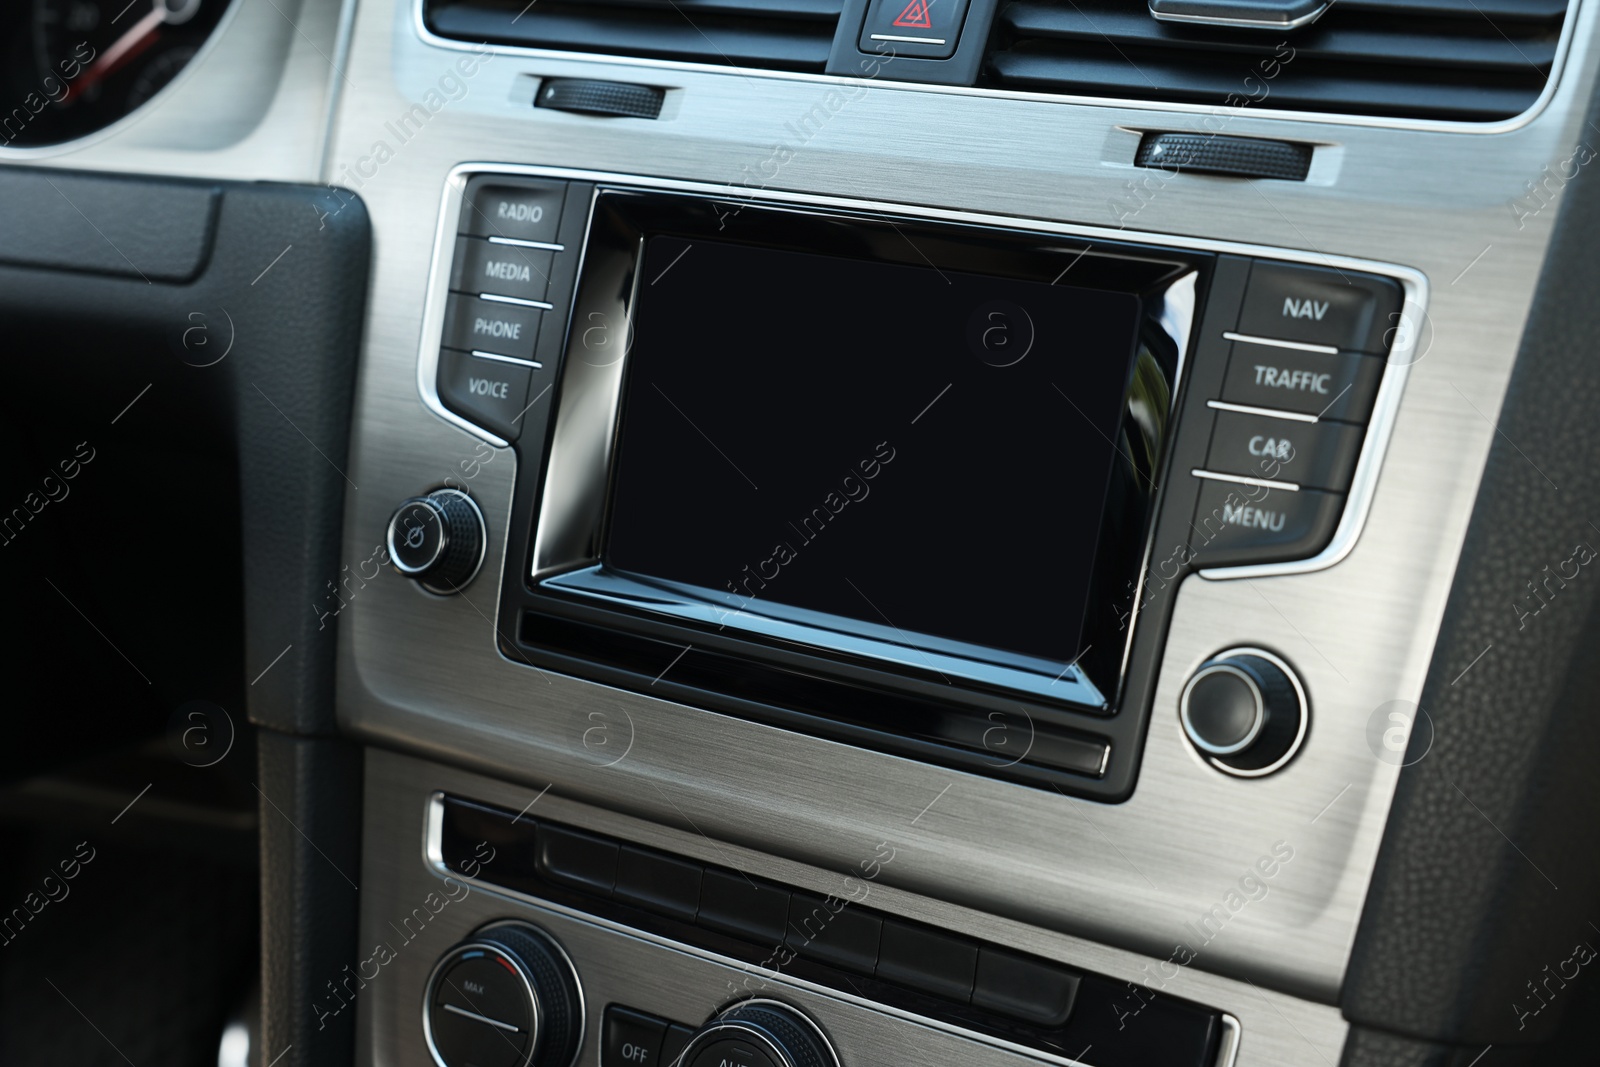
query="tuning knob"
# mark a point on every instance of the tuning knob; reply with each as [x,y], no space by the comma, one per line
[506,997]
[760,1033]
[438,539]
[1245,712]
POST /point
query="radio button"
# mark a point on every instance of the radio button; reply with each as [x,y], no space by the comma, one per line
[1319,455]
[1314,305]
[489,392]
[489,326]
[505,270]
[1328,386]
[1236,523]
[523,211]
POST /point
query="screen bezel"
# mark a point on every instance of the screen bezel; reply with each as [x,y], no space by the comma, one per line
[569,537]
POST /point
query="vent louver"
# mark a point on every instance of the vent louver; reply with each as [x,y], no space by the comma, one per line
[1462,60]
[772,34]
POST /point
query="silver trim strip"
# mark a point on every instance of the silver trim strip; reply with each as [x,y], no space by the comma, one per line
[515,300]
[517,242]
[1557,69]
[907,40]
[1271,413]
[1292,487]
[1242,24]
[535,364]
[1364,483]
[1299,346]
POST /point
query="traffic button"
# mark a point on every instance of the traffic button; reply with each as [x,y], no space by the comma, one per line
[925,29]
[1314,305]
[1337,386]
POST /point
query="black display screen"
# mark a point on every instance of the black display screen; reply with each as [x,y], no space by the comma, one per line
[917,449]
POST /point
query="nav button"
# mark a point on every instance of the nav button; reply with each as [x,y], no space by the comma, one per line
[490,392]
[1236,523]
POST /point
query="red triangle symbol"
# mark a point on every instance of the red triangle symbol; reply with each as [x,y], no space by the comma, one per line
[916,15]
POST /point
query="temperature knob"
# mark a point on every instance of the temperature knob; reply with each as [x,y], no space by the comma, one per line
[506,997]
[760,1033]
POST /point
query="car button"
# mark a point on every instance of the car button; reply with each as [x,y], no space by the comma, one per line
[1236,523]
[478,325]
[522,211]
[1320,455]
[925,29]
[482,266]
[490,392]
[1328,385]
[1314,305]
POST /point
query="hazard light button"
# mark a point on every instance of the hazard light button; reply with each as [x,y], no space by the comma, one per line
[925,29]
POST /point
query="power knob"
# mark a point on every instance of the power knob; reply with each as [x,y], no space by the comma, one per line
[506,997]
[438,539]
[760,1033]
[1245,712]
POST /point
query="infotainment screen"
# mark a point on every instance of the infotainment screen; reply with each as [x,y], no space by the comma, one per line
[911,452]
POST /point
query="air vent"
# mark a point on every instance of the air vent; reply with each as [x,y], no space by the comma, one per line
[1462,60]
[773,34]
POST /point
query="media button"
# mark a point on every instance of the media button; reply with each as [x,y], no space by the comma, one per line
[1328,385]
[1314,305]
[1320,455]
[1237,523]
[520,210]
[490,392]
[482,266]
[490,326]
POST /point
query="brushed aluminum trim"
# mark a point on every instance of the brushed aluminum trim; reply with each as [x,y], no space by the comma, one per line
[428,37]
[424,674]
[1281,1027]
[600,390]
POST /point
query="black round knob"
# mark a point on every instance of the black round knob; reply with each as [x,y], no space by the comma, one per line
[438,539]
[760,1033]
[506,997]
[1245,712]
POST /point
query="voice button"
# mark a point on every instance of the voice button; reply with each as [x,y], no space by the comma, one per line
[489,392]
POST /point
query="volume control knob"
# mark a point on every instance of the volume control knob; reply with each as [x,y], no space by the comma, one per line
[438,539]
[1245,712]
